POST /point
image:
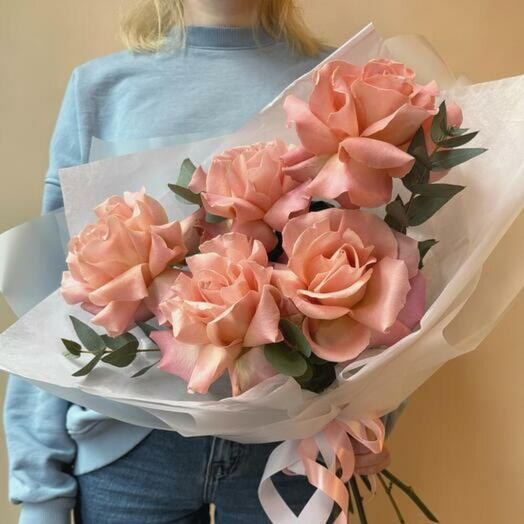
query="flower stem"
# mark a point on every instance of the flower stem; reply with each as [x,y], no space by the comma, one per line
[387,489]
[358,500]
[408,490]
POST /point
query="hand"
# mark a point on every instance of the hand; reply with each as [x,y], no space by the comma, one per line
[367,462]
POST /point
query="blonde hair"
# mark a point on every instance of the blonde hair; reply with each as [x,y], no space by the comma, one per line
[145,26]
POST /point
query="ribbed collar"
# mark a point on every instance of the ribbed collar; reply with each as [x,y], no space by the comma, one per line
[222,37]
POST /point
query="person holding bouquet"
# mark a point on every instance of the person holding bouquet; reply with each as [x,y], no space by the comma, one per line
[193,69]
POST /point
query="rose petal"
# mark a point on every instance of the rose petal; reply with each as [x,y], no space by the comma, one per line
[249,370]
[211,363]
[415,307]
[263,328]
[315,136]
[296,201]
[336,340]
[385,295]
[231,326]
[408,252]
[116,317]
[129,286]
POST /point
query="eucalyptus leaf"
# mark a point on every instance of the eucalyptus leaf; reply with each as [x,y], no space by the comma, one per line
[423,247]
[72,347]
[143,371]
[118,342]
[89,366]
[444,160]
[90,339]
[396,216]
[458,141]
[285,360]
[457,131]
[439,124]
[186,172]
[294,336]
[70,356]
[304,379]
[424,207]
[123,356]
[437,190]
[419,174]
[186,194]
[146,328]
[417,148]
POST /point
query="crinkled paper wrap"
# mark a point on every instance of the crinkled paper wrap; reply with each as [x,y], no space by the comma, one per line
[469,230]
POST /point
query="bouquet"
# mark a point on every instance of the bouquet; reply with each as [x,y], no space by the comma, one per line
[281,283]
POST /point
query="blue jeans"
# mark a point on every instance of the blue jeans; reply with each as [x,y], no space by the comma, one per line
[168,478]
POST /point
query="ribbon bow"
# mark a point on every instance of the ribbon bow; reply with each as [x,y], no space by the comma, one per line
[331,478]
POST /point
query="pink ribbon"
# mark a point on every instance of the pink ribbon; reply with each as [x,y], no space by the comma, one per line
[334,445]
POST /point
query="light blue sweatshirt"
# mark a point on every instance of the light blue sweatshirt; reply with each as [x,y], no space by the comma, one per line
[214,85]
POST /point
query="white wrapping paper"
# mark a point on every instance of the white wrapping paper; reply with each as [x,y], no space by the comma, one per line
[469,229]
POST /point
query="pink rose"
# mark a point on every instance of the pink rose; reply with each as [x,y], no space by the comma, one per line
[354,279]
[221,315]
[113,261]
[355,127]
[247,184]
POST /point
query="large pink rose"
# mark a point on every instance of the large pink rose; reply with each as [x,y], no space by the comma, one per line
[354,279]
[113,261]
[355,127]
[247,184]
[222,315]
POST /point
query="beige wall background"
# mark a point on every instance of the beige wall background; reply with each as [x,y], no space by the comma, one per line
[459,441]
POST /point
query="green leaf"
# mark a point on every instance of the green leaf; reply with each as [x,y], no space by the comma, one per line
[186,172]
[186,194]
[396,216]
[419,173]
[72,347]
[457,131]
[143,371]
[294,336]
[437,190]
[118,342]
[70,356]
[90,339]
[417,148]
[458,141]
[123,356]
[285,360]
[424,207]
[439,124]
[444,160]
[423,247]
[89,366]
[304,379]
[146,328]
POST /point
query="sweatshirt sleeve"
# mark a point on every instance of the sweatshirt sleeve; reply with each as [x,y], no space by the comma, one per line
[40,449]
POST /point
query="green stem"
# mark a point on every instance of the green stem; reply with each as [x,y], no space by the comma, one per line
[365,480]
[358,500]
[391,499]
[408,490]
